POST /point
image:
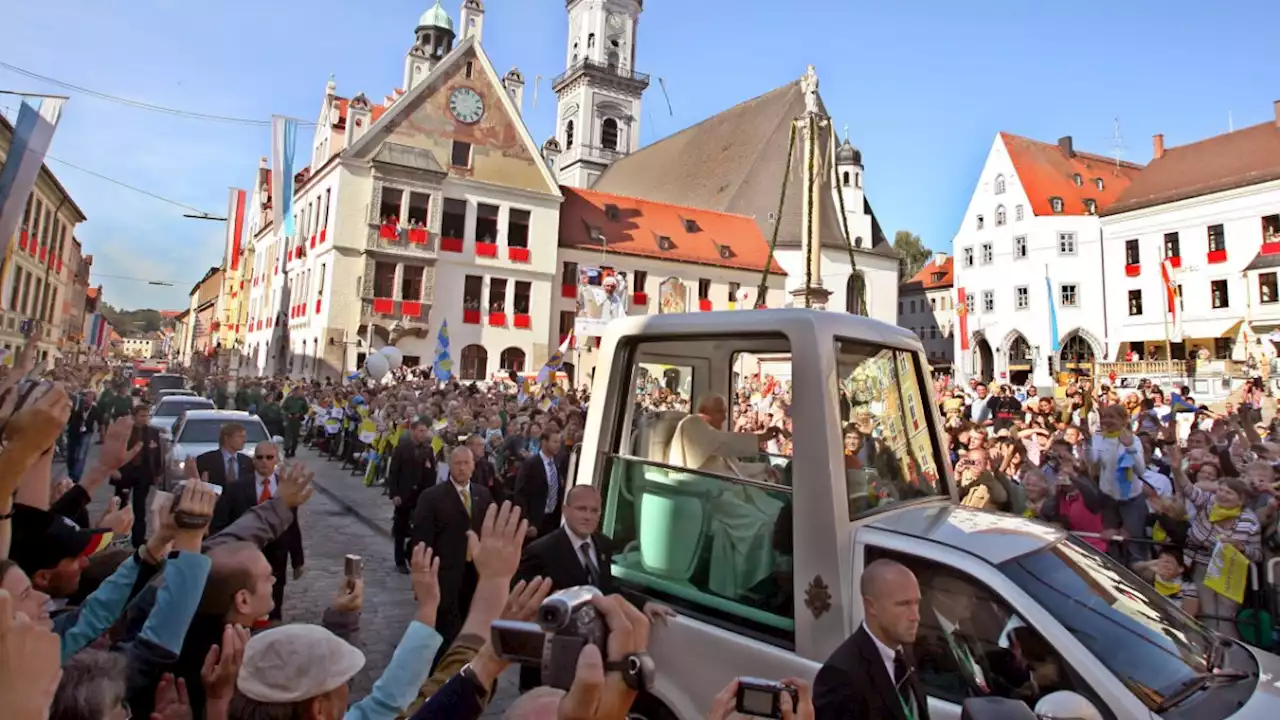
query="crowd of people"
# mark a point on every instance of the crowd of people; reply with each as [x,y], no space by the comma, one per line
[1185,497]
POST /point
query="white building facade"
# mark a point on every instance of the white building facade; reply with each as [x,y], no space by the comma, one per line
[926,307]
[432,207]
[1028,259]
[1220,226]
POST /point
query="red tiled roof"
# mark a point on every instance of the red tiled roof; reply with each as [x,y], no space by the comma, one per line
[1046,171]
[923,280]
[641,222]
[1232,160]
[170,313]
[375,110]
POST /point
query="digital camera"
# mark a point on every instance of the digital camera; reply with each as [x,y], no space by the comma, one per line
[567,622]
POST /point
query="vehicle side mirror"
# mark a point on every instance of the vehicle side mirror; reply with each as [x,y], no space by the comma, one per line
[278,440]
[1064,704]
[991,708]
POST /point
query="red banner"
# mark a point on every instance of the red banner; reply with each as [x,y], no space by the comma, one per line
[962,314]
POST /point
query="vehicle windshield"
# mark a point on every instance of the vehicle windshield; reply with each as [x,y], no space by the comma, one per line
[1152,646]
[167,382]
[144,372]
[206,431]
[174,408]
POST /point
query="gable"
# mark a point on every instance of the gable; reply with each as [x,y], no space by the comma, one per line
[502,151]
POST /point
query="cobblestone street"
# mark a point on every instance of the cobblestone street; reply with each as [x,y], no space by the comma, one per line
[345,517]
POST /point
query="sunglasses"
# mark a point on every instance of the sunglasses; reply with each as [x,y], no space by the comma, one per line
[264,457]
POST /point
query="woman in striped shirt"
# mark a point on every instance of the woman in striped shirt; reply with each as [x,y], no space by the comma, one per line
[1218,517]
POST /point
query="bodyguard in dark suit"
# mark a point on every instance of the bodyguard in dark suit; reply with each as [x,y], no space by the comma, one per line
[260,486]
[540,487]
[145,470]
[224,466]
[871,675]
[80,427]
[441,520]
[413,469]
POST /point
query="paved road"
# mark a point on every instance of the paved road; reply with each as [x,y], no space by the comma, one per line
[345,517]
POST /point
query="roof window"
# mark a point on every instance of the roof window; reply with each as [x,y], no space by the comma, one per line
[611,212]
[726,252]
[1056,204]
[1098,183]
[1077,179]
[597,235]
[665,244]
[690,226]
[1091,206]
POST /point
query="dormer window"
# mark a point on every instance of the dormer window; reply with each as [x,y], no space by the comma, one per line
[611,212]
[1079,181]
[597,235]
[1055,203]
[726,252]
[690,226]
[936,277]
[665,244]
[1091,207]
[1098,183]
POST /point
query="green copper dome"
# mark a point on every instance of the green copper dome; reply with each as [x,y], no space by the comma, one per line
[436,17]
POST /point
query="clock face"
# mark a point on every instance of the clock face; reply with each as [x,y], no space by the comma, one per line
[616,21]
[466,105]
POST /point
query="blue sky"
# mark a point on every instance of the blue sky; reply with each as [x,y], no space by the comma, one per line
[922,86]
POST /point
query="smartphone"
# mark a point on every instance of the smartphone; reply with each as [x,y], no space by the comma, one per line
[763,698]
[353,568]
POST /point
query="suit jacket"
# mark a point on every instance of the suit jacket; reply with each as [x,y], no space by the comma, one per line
[213,464]
[440,522]
[854,684]
[531,491]
[239,498]
[554,556]
[148,465]
[413,469]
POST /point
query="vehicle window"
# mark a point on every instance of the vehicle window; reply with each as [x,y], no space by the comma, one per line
[1148,643]
[206,431]
[143,373]
[167,382]
[890,454]
[970,643]
[702,516]
[762,397]
[174,408]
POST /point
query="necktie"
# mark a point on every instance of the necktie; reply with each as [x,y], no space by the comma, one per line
[266,491]
[231,469]
[900,673]
[465,493]
[589,563]
[553,486]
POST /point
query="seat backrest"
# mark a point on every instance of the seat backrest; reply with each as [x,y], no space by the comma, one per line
[653,437]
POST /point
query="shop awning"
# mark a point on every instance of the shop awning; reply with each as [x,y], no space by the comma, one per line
[1211,328]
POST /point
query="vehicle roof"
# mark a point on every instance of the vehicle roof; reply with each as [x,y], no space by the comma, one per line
[756,322]
[990,536]
[223,415]
[183,398]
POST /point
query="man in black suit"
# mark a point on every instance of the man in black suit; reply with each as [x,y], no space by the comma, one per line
[871,675]
[142,472]
[255,488]
[540,486]
[224,466]
[413,469]
[80,432]
[441,520]
[578,554]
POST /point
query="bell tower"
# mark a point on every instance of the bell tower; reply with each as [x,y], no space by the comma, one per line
[433,39]
[599,93]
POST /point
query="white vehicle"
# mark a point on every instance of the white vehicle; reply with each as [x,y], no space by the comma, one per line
[171,393]
[165,413]
[197,433]
[761,556]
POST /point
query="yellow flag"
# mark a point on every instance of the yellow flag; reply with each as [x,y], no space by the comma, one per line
[436,444]
[1228,572]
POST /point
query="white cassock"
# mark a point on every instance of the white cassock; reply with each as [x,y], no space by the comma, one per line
[742,516]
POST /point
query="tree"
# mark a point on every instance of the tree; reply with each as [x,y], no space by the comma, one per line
[912,254]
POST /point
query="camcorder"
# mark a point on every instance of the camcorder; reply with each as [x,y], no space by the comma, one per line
[187,520]
[763,698]
[567,622]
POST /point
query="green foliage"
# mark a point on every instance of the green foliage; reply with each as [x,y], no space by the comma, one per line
[912,254]
[133,322]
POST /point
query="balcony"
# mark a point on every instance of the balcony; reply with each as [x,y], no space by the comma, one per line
[589,152]
[384,311]
[405,242]
[628,79]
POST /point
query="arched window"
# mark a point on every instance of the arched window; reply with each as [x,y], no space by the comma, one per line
[856,295]
[591,41]
[512,359]
[857,180]
[474,361]
[568,135]
[1000,216]
[999,184]
[846,178]
[609,134]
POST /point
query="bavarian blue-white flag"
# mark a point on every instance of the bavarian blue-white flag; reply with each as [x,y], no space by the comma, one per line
[32,133]
[555,360]
[443,365]
[284,137]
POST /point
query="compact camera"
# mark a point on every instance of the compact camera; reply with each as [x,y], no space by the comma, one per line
[567,622]
[763,698]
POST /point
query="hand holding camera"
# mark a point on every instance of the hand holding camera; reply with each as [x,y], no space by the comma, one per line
[192,511]
[754,697]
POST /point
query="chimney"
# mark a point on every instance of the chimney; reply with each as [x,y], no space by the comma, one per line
[1277,104]
[1157,146]
[1067,148]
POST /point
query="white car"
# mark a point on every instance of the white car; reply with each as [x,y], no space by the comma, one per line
[197,433]
[178,392]
[165,414]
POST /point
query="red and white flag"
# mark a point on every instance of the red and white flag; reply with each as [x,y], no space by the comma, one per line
[1173,298]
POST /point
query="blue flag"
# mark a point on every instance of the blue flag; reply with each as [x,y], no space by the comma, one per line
[1053,313]
[284,136]
[1180,403]
[443,365]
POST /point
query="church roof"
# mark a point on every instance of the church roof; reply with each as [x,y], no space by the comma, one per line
[733,162]
[603,222]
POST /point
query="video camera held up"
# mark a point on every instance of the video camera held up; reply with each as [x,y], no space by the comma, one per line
[567,622]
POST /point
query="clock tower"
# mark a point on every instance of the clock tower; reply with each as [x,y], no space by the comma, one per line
[599,94]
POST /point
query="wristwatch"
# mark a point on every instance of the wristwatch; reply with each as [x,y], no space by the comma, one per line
[637,670]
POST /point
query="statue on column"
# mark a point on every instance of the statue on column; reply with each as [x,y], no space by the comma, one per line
[809,86]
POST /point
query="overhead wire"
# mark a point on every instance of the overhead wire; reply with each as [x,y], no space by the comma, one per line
[138,104]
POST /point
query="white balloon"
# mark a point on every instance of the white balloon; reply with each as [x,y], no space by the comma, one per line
[393,355]
[377,366]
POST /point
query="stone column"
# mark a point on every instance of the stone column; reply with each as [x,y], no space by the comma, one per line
[811,127]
